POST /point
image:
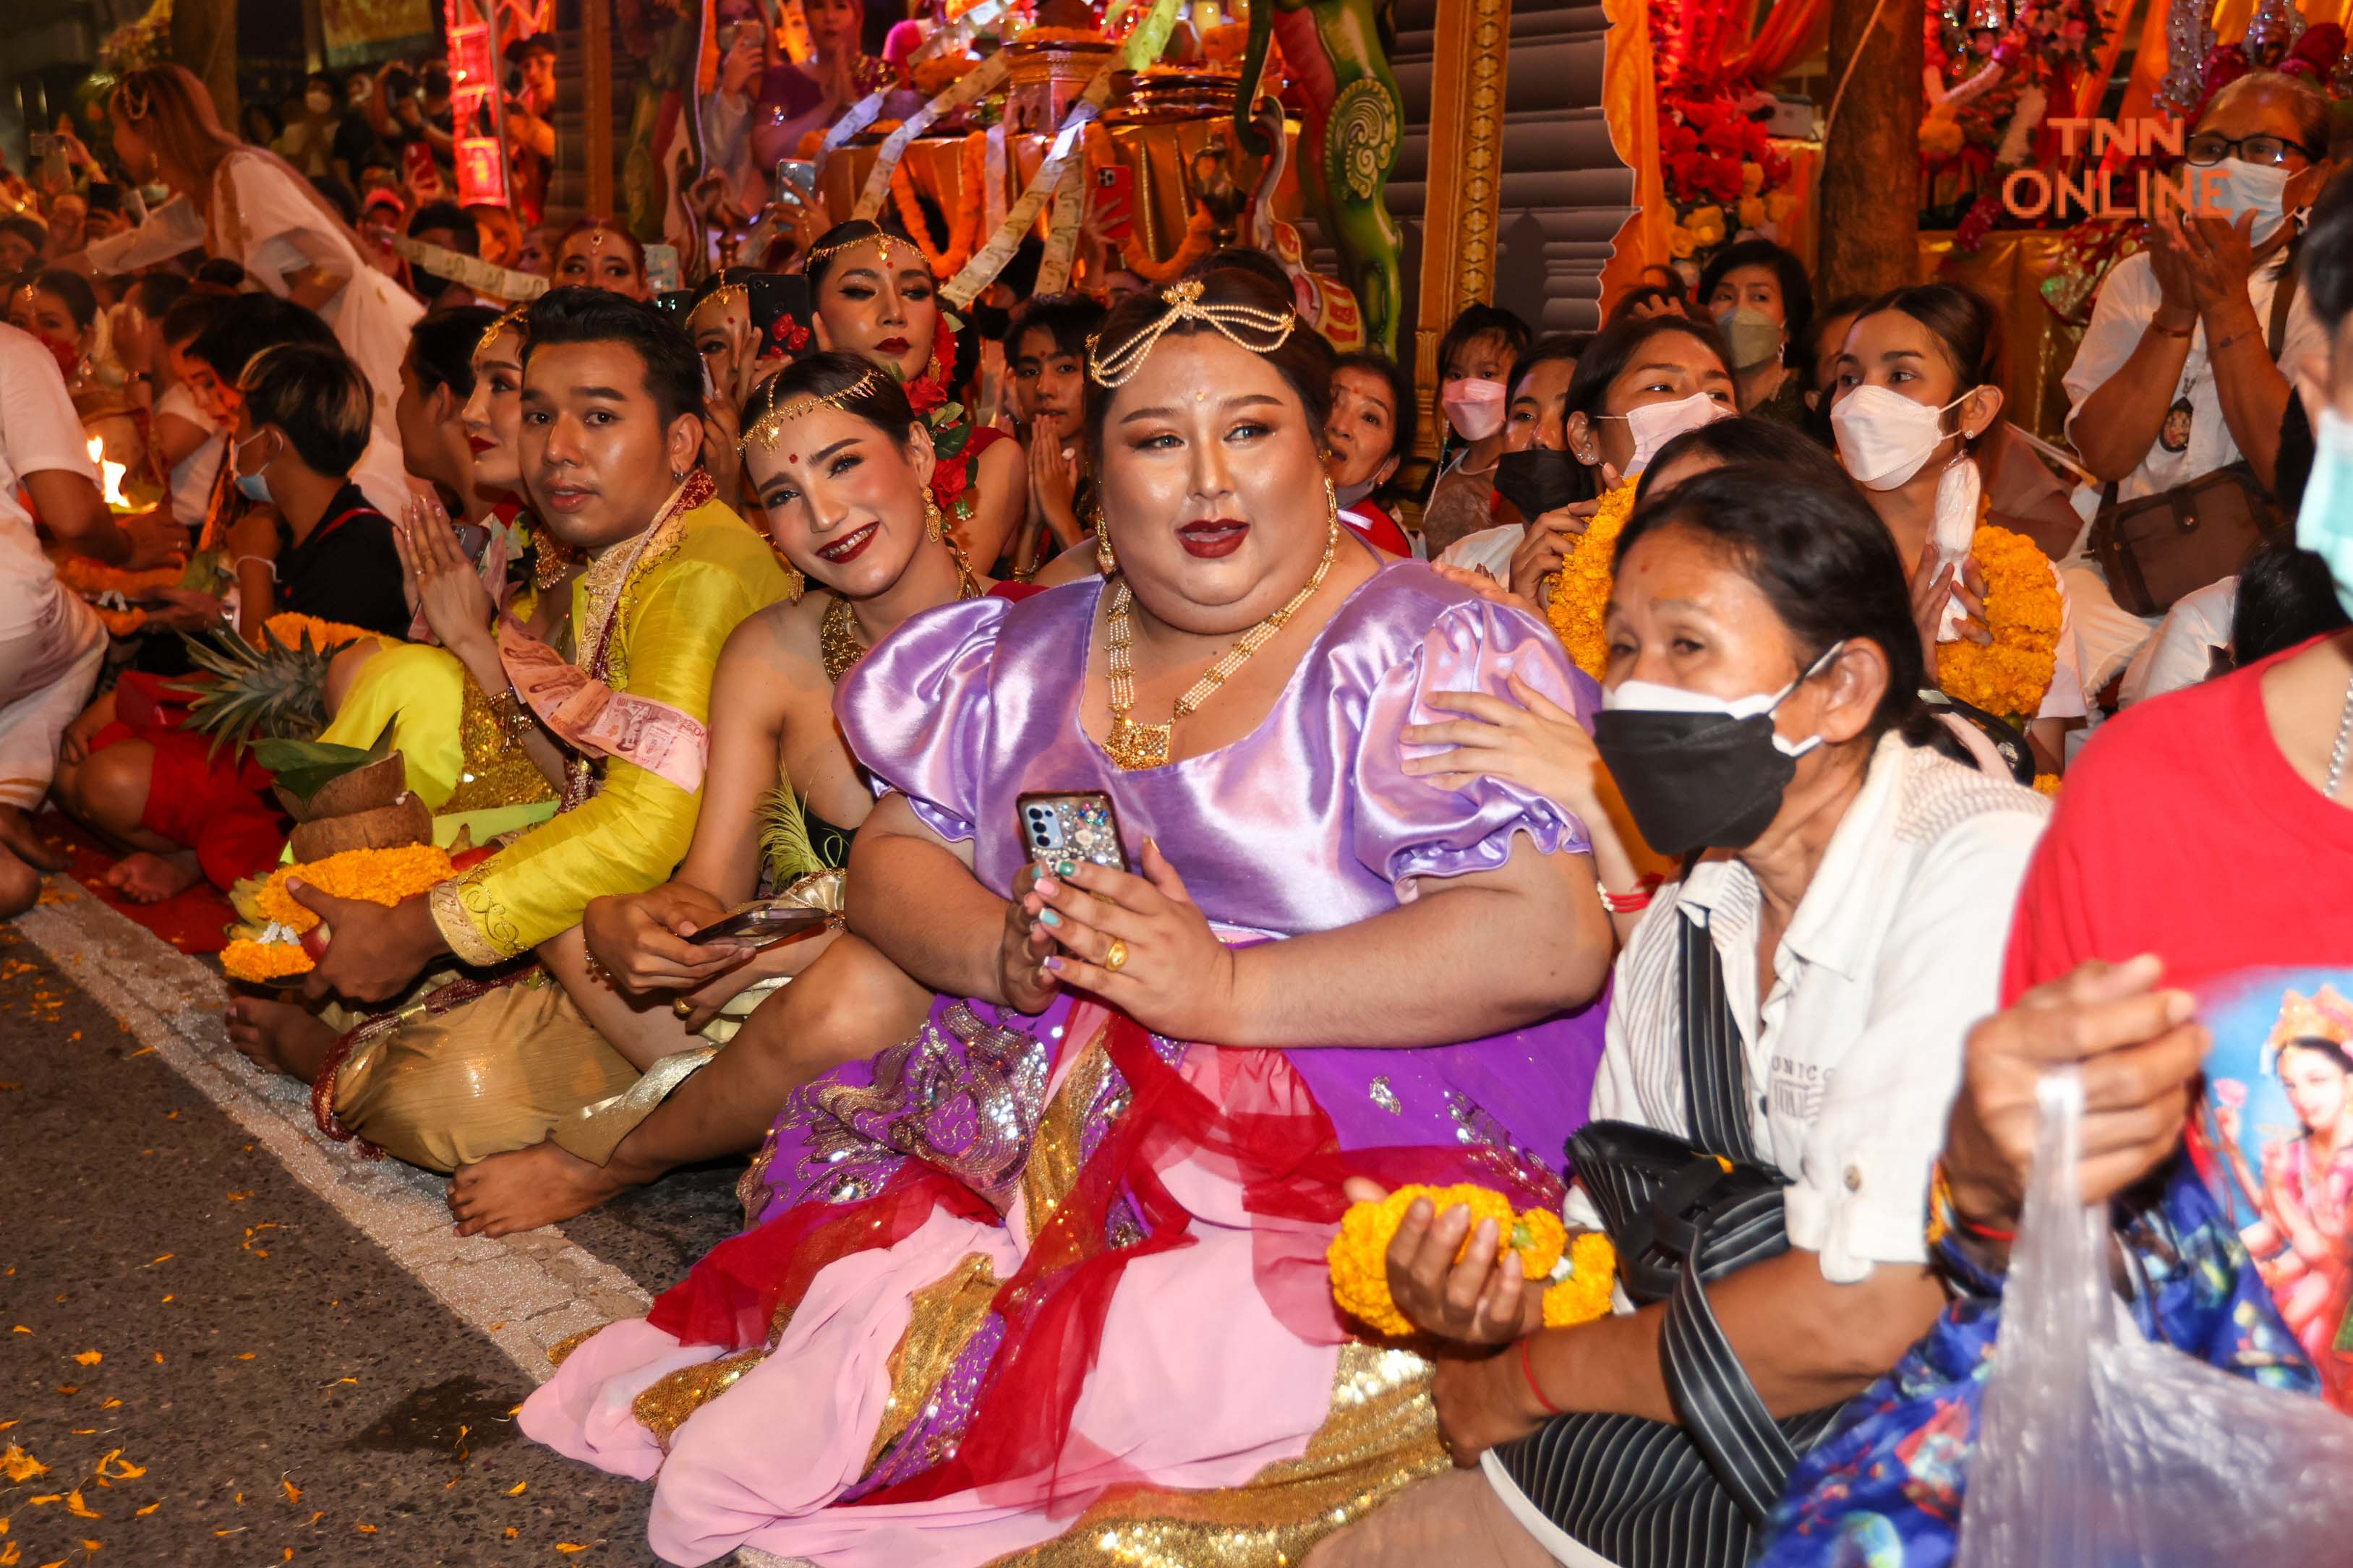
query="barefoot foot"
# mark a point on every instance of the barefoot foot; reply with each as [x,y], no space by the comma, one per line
[527,1189]
[20,886]
[279,1036]
[146,878]
[17,836]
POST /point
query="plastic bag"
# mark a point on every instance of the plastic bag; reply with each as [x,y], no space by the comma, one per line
[2100,1450]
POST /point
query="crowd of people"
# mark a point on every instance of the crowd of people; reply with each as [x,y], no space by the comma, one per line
[1047,789]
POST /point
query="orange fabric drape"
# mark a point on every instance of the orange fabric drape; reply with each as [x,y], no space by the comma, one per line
[2094,85]
[1795,29]
[1629,102]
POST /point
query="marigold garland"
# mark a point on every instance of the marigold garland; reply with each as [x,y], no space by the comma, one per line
[964,226]
[1580,589]
[1200,239]
[2047,784]
[2009,676]
[86,576]
[287,628]
[379,875]
[1359,1254]
[262,963]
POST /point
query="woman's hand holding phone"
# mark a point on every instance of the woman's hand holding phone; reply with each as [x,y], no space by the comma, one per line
[642,939]
[1175,977]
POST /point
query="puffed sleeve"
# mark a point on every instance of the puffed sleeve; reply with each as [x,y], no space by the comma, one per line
[1408,827]
[915,711]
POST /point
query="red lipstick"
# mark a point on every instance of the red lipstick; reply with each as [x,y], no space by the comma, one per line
[1213,539]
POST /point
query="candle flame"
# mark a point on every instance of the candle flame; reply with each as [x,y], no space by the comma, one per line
[114,473]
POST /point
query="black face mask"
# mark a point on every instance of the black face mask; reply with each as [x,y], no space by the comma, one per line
[1699,781]
[1539,480]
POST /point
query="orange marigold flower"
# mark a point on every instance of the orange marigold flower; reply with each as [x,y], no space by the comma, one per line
[1580,589]
[1359,1253]
[286,629]
[1585,1294]
[380,876]
[2009,676]
[263,962]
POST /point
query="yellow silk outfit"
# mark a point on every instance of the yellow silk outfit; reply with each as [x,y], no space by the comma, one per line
[459,756]
[499,1059]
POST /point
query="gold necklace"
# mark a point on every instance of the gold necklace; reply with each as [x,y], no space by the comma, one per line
[1134,746]
[836,632]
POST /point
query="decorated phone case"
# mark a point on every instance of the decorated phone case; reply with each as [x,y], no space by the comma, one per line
[1080,826]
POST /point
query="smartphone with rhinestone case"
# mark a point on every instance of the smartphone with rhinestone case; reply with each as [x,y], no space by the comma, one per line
[1079,826]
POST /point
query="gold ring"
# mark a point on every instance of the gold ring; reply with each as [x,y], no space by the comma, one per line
[681,1006]
[1115,959]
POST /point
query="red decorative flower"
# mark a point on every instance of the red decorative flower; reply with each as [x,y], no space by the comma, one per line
[788,335]
[925,393]
[948,481]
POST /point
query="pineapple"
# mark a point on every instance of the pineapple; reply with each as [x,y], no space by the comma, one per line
[273,692]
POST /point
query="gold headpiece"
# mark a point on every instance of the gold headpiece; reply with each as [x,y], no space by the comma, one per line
[881,239]
[1246,326]
[721,295]
[772,424]
[515,319]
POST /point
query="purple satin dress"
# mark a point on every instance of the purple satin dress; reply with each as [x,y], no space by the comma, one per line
[1307,824]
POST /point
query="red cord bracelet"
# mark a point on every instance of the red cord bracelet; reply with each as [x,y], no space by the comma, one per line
[1528,1371]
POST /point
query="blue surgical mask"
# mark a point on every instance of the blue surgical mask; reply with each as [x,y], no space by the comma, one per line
[254,485]
[2324,523]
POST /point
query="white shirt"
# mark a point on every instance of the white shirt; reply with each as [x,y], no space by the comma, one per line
[1894,953]
[38,431]
[193,475]
[2182,652]
[2128,300]
[1491,548]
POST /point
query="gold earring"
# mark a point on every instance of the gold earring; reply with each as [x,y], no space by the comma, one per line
[1330,501]
[934,525]
[1105,558]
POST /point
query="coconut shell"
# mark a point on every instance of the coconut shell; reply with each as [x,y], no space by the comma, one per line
[371,786]
[405,821]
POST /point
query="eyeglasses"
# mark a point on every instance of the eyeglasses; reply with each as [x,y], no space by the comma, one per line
[2206,149]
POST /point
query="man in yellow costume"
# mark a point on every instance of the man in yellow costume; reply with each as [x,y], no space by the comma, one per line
[497,1051]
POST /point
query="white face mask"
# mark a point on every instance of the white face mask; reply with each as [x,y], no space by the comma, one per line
[1883,437]
[1349,495]
[2235,186]
[1654,425]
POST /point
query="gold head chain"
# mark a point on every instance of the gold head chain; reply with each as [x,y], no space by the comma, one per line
[880,239]
[723,295]
[772,424]
[1246,326]
[513,319]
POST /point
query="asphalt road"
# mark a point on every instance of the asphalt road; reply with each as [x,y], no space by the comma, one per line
[215,1367]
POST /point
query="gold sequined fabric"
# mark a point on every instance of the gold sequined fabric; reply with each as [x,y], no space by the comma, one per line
[947,1313]
[563,1348]
[666,1404]
[496,770]
[1380,1437]
[1057,1150]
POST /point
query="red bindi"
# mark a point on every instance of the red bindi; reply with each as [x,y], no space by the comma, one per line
[792,457]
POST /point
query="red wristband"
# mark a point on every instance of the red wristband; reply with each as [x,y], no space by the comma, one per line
[1628,904]
[1528,1371]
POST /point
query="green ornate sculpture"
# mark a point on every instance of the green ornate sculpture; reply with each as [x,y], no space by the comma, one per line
[1348,141]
